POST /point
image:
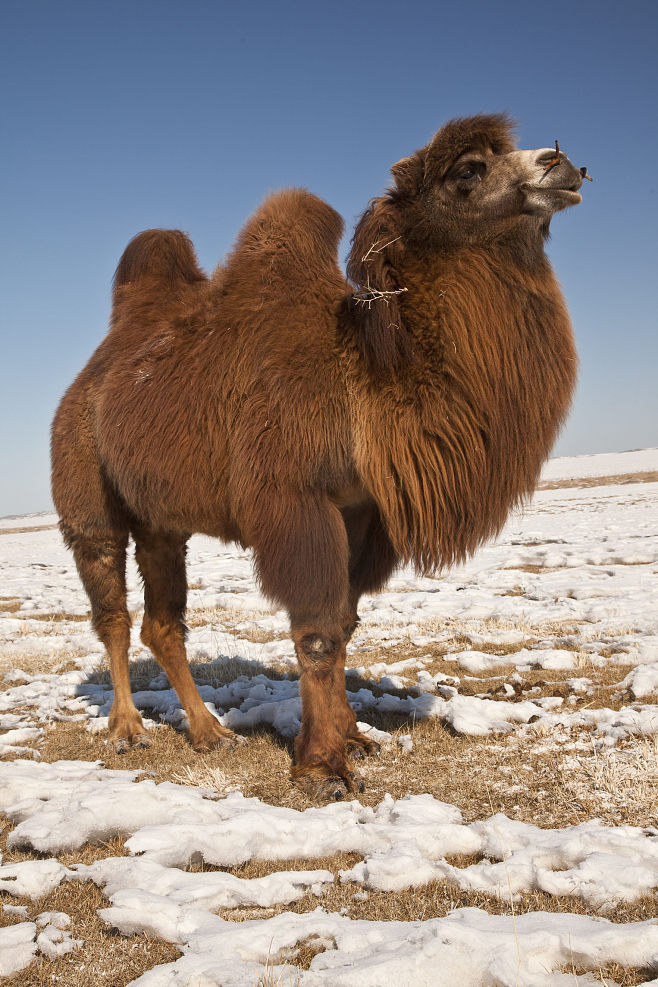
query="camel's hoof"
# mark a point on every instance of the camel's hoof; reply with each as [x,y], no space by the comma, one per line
[357,783]
[331,789]
[362,748]
[142,740]
[123,744]
[223,744]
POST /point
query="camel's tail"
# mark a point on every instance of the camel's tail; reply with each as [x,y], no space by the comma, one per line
[166,257]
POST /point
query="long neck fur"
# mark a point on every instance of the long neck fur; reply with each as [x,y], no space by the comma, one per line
[452,439]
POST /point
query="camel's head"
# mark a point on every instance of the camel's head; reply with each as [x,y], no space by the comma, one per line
[468,188]
[470,183]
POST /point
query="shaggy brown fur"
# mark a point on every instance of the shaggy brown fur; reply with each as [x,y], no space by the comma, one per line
[338,429]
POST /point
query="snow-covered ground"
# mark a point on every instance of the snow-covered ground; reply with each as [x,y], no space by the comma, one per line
[601,464]
[576,574]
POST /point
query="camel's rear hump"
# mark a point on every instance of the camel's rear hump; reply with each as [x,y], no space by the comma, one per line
[166,256]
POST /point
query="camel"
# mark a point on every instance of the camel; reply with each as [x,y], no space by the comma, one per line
[338,426]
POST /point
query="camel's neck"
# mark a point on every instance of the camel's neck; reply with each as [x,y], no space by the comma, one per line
[474,303]
[453,441]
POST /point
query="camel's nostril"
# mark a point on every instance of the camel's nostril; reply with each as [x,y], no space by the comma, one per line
[549,159]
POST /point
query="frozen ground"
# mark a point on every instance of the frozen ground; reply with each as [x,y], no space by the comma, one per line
[567,593]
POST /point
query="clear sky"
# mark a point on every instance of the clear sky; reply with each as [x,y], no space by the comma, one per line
[123,115]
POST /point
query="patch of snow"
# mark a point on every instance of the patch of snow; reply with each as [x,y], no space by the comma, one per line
[17,948]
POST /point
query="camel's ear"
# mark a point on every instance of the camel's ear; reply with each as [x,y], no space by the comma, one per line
[408,173]
[376,304]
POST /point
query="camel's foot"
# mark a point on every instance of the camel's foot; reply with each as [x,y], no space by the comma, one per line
[320,784]
[360,746]
[212,736]
[128,732]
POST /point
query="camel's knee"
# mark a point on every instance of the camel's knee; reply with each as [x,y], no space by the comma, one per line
[162,635]
[318,644]
[319,648]
[112,627]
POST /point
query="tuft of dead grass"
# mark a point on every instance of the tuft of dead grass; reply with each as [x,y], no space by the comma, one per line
[226,624]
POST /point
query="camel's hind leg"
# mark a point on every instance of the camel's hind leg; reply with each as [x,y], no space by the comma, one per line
[161,560]
[101,562]
[93,522]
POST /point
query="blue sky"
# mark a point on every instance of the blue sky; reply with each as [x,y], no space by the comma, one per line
[120,116]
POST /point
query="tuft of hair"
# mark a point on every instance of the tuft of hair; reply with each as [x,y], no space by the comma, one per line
[485,130]
[166,256]
[376,304]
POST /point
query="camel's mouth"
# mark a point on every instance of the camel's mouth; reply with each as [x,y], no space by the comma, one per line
[570,195]
[549,198]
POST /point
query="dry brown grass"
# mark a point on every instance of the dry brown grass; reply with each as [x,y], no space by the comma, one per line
[106,958]
[227,623]
[552,781]
[612,974]
[27,529]
[511,774]
[59,616]
[35,664]
[603,693]
[433,900]
[533,570]
[556,782]
[104,949]
[535,683]
[218,672]
[650,476]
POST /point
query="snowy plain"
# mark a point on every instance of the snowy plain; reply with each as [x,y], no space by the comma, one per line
[576,572]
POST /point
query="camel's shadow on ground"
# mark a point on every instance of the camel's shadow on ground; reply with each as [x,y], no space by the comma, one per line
[238,688]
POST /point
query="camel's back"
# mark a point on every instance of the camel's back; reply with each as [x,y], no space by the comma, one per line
[201,382]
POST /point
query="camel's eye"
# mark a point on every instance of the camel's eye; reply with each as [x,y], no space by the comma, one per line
[469,171]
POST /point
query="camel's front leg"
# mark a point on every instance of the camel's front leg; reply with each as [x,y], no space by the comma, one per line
[301,554]
[321,766]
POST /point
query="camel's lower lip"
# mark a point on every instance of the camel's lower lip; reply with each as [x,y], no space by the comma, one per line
[571,195]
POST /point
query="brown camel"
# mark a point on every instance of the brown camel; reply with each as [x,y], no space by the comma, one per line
[338,427]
